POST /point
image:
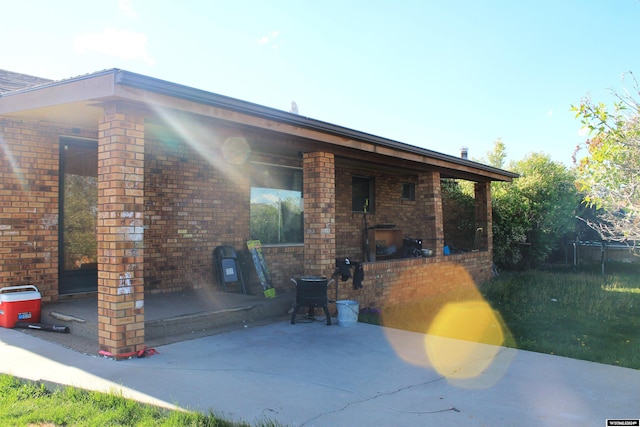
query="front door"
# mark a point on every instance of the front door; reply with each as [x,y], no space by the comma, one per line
[78,253]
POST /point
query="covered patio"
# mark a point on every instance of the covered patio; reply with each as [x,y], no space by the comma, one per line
[175,172]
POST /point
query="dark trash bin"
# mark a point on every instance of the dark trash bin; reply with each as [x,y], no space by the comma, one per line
[227,266]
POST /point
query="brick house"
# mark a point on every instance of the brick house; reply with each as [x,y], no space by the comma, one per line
[123,184]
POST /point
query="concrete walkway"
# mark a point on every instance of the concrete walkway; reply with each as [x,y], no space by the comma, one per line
[310,374]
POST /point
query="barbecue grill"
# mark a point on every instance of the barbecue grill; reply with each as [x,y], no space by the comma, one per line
[311,292]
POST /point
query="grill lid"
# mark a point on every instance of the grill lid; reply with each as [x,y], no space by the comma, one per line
[312,279]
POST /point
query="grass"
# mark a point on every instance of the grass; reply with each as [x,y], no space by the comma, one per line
[583,315]
[24,403]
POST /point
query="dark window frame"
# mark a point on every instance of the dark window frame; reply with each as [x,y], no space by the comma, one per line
[408,191]
[362,194]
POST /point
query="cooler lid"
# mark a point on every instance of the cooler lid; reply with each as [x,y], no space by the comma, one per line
[19,293]
[19,296]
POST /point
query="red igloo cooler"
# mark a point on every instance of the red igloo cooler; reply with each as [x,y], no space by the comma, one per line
[19,304]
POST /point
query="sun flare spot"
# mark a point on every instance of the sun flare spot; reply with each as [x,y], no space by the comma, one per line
[458,334]
[474,335]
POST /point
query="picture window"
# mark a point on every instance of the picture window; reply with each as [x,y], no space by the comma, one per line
[276,215]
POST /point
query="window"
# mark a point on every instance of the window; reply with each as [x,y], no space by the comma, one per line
[79,205]
[362,194]
[276,204]
[408,191]
[78,201]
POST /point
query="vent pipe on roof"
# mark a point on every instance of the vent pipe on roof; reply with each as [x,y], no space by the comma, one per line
[464,152]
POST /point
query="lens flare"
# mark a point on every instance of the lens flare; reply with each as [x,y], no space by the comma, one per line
[458,334]
[473,335]
[225,153]
[16,172]
[236,150]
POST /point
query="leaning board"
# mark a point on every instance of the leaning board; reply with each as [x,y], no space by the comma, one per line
[255,248]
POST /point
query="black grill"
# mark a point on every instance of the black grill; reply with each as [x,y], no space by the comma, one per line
[311,292]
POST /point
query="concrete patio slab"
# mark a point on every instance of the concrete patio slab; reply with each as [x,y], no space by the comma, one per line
[316,375]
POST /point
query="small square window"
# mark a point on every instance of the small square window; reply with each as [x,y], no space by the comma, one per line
[408,191]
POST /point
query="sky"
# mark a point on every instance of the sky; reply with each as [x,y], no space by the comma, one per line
[437,74]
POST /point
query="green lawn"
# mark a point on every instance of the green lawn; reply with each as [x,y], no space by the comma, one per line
[24,403]
[584,315]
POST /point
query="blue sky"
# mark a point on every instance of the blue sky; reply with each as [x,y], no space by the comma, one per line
[432,73]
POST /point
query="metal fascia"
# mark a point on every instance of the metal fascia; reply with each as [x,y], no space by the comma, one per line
[220,101]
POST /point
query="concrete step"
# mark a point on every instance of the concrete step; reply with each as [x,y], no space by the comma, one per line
[168,317]
[193,325]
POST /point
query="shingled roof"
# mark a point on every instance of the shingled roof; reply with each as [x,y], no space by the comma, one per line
[10,81]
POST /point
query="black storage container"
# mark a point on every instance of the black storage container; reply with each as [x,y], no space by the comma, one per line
[227,266]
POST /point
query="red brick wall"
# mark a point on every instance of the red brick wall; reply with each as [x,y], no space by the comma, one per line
[396,281]
[120,232]
[319,213]
[29,169]
[192,206]
[196,201]
[284,262]
[414,218]
[193,203]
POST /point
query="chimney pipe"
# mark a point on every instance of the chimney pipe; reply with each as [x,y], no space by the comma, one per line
[464,152]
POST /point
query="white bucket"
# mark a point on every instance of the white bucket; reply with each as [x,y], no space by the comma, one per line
[347,312]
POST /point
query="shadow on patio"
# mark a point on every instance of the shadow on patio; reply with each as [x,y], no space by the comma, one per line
[169,317]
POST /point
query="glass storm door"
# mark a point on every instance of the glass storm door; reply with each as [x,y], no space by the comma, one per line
[78,216]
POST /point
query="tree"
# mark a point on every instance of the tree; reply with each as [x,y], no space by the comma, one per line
[533,214]
[497,156]
[609,174]
[80,216]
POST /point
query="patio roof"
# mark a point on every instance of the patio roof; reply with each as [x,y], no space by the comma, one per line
[78,101]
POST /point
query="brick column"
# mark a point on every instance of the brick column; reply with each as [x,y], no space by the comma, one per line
[429,199]
[120,233]
[484,215]
[319,213]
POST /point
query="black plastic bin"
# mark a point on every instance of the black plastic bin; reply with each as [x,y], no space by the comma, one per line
[228,268]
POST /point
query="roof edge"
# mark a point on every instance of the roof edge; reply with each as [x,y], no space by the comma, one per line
[60,82]
[221,101]
[192,94]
